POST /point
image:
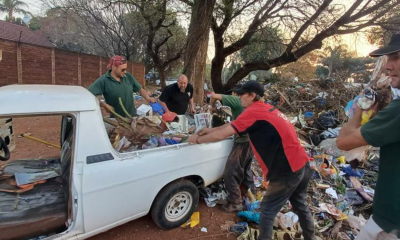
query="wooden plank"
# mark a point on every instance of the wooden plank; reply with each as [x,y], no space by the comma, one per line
[100,67]
[79,71]
[53,66]
[19,63]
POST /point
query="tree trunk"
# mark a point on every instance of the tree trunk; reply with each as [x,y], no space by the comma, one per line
[216,75]
[197,46]
[161,75]
[10,15]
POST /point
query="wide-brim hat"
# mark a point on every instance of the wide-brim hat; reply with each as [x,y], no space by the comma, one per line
[392,47]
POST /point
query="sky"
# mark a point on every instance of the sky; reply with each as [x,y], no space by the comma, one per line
[357,43]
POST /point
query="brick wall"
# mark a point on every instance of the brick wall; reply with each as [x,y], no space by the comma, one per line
[36,64]
[66,67]
[41,65]
[8,70]
[89,69]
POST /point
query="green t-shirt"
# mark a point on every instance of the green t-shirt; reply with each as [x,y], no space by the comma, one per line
[384,131]
[236,107]
[112,90]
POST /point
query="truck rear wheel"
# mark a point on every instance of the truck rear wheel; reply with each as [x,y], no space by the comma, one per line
[175,204]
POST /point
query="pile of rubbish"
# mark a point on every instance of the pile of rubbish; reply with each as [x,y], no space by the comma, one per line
[341,192]
[156,127]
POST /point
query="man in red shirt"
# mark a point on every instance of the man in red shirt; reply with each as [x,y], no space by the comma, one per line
[278,151]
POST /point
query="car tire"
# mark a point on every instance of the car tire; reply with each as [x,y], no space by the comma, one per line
[175,204]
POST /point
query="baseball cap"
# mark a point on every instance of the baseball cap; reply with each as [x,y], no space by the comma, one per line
[116,61]
[237,86]
[249,87]
[392,47]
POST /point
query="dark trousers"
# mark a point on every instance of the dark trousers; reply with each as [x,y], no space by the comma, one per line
[292,187]
[238,171]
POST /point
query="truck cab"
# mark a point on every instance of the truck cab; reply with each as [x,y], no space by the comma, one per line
[94,187]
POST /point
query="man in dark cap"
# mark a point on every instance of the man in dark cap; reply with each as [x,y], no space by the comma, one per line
[381,131]
[278,151]
[118,83]
[238,166]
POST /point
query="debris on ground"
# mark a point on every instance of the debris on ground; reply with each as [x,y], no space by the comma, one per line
[341,191]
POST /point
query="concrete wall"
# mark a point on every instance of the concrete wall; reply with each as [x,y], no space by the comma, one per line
[30,64]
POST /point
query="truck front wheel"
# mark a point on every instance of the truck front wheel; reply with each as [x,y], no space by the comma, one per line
[175,204]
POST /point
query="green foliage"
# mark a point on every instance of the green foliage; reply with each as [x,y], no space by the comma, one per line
[19,21]
[265,44]
[341,64]
[341,188]
[11,7]
[391,24]
[322,72]
[273,78]
[34,24]
[230,70]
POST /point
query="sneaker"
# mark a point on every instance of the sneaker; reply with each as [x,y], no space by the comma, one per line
[231,207]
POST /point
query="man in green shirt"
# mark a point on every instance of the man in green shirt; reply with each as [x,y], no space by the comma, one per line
[381,131]
[118,83]
[238,166]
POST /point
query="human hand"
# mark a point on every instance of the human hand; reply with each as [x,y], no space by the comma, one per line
[357,111]
[213,109]
[204,131]
[193,139]
[106,109]
[193,110]
[152,100]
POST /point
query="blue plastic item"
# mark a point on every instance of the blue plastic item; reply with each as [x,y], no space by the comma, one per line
[158,108]
[239,227]
[152,143]
[353,173]
[255,205]
[247,203]
[171,141]
[161,141]
[308,114]
[250,216]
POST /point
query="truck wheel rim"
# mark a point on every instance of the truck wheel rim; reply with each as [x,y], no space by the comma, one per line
[178,206]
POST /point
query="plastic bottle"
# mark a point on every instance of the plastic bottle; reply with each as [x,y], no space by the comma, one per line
[312,163]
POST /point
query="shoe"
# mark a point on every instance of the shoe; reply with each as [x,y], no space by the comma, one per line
[231,207]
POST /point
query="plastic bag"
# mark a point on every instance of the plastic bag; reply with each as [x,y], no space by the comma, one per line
[250,216]
[353,173]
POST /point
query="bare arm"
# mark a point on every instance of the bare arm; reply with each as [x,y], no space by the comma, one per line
[216,96]
[102,108]
[216,135]
[164,105]
[191,102]
[146,96]
[350,135]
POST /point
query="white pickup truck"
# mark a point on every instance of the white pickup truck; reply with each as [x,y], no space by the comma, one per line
[98,188]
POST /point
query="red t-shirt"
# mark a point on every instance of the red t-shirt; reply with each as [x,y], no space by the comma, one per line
[273,140]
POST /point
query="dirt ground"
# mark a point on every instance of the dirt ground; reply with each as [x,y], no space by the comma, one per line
[48,129]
